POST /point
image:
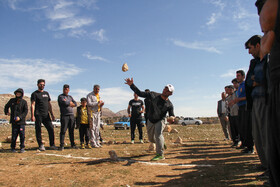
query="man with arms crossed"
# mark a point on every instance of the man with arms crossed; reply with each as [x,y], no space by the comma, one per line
[160,105]
[66,104]
[40,108]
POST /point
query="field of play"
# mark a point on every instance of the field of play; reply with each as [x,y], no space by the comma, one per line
[203,159]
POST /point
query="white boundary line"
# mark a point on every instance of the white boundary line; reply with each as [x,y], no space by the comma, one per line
[132,161]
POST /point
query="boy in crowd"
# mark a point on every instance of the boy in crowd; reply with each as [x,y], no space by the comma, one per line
[18,113]
[82,122]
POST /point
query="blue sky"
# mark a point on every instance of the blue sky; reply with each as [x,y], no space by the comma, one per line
[195,45]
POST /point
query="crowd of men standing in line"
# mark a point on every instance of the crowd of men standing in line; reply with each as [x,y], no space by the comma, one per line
[88,116]
[249,109]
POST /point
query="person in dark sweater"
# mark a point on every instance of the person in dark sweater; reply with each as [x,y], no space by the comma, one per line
[269,12]
[66,104]
[160,105]
[19,109]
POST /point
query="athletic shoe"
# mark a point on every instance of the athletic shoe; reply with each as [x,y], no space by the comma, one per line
[164,146]
[132,141]
[61,148]
[13,151]
[240,147]
[141,141]
[248,151]
[89,146]
[158,157]
[83,146]
[53,147]
[99,145]
[22,150]
[74,147]
[42,147]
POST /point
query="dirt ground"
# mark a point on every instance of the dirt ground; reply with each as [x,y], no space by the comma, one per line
[204,159]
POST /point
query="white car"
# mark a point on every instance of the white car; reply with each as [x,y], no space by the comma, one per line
[29,122]
[56,123]
[188,121]
[3,121]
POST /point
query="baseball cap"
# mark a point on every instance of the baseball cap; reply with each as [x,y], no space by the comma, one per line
[170,87]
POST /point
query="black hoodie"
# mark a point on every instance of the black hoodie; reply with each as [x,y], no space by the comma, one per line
[18,108]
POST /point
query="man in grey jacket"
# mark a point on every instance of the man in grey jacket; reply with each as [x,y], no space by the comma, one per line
[66,104]
[95,105]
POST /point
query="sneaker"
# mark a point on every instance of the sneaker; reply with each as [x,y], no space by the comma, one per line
[42,147]
[61,148]
[248,151]
[53,147]
[99,145]
[22,150]
[158,157]
[83,146]
[89,146]
[13,151]
[141,141]
[240,147]
[164,146]
[132,141]
[74,147]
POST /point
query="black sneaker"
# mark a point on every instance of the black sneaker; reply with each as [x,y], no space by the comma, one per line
[74,147]
[13,151]
[248,151]
[240,147]
[22,150]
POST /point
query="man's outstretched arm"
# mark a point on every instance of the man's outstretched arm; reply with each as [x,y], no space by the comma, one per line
[129,82]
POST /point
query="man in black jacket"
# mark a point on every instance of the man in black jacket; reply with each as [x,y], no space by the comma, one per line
[18,113]
[159,106]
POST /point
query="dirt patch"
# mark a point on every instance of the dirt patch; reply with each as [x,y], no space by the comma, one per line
[203,159]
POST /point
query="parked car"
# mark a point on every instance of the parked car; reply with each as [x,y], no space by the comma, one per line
[56,123]
[188,121]
[3,121]
[29,122]
[124,123]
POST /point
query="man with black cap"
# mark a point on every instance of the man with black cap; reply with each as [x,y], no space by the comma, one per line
[160,105]
[66,104]
[40,108]
[18,113]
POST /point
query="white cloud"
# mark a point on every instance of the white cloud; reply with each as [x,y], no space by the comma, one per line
[125,55]
[231,73]
[93,57]
[219,4]
[99,35]
[25,72]
[66,16]
[205,46]
[213,18]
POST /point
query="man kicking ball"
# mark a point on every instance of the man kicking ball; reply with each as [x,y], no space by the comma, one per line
[160,105]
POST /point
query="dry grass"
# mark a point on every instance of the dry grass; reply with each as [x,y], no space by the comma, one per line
[202,145]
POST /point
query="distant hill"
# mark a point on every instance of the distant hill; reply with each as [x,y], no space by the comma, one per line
[4,98]
[122,113]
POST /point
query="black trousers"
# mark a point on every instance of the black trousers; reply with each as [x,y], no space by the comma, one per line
[245,127]
[133,123]
[46,120]
[274,136]
[18,130]
[83,130]
[67,122]
[233,120]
